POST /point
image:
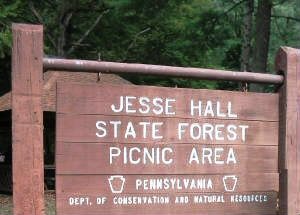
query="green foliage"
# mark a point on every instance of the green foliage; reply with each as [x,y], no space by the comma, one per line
[5,42]
[285,31]
[8,10]
[189,33]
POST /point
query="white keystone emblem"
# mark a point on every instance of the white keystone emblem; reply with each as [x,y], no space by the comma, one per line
[116,183]
[229,182]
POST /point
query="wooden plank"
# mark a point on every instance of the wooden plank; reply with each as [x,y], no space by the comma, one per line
[85,158]
[97,143]
[27,119]
[298,136]
[288,62]
[137,204]
[97,99]
[169,183]
[256,133]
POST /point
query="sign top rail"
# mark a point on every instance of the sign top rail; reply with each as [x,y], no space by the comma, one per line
[147,69]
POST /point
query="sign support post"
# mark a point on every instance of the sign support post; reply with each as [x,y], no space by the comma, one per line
[27,119]
[288,63]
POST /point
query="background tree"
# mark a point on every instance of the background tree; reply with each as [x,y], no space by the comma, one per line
[261,40]
[247,34]
[227,34]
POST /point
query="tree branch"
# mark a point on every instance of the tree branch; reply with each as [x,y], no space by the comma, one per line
[49,2]
[286,17]
[280,33]
[4,24]
[40,20]
[34,11]
[64,21]
[278,3]
[233,7]
[215,20]
[134,41]
[88,31]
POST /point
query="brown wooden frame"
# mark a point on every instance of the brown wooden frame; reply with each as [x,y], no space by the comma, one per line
[288,64]
[27,117]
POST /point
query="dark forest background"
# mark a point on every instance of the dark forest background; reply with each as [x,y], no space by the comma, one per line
[241,35]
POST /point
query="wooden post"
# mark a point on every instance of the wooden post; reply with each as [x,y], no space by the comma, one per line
[288,63]
[27,119]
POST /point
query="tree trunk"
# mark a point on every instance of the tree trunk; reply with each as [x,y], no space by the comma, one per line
[247,35]
[65,15]
[262,37]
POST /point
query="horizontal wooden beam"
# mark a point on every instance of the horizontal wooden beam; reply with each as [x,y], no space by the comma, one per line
[146,69]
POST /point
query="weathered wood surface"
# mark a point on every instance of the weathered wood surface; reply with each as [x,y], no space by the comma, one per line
[27,119]
[87,183]
[298,134]
[84,158]
[226,208]
[84,165]
[288,63]
[68,125]
[96,99]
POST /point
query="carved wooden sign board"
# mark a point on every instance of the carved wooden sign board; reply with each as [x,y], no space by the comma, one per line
[154,150]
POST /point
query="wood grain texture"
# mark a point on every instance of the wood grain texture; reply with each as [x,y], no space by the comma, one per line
[225,208]
[87,183]
[288,62]
[82,128]
[298,135]
[73,159]
[96,99]
[27,119]
[84,165]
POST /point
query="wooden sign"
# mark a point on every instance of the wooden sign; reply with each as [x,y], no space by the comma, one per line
[153,150]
